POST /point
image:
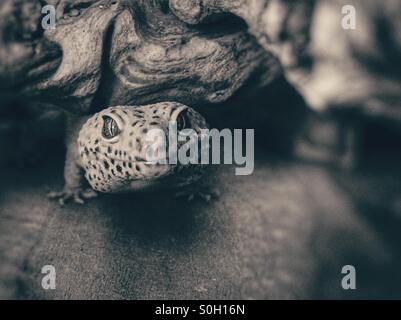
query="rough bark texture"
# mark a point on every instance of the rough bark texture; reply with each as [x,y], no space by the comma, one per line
[122,52]
[280,26]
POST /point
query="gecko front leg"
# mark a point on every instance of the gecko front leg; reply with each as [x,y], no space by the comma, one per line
[73,173]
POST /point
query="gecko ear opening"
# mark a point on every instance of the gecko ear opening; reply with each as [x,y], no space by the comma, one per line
[110,128]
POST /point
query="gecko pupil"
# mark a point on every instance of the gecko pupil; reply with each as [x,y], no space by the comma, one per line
[182,121]
[110,128]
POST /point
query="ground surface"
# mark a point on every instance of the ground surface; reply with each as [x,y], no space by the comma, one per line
[284,232]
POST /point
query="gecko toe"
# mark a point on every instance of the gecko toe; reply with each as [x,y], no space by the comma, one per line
[77,196]
[78,199]
[53,195]
[206,195]
[89,194]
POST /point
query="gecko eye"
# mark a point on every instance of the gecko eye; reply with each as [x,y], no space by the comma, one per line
[183,121]
[110,128]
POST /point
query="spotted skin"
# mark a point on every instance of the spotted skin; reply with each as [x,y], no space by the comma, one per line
[113,146]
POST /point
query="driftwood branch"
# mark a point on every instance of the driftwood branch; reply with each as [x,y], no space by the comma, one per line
[120,52]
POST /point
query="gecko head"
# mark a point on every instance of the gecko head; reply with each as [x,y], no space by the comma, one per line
[114,145]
